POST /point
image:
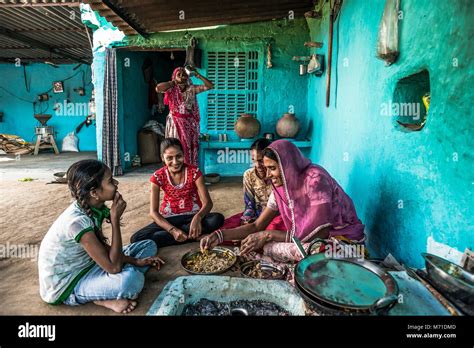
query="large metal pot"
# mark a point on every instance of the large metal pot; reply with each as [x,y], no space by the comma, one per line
[352,286]
[450,278]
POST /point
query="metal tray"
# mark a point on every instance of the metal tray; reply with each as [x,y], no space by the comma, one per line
[269,270]
[186,257]
[348,284]
[450,277]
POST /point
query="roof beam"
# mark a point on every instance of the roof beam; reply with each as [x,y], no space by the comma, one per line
[39,4]
[40,45]
[126,18]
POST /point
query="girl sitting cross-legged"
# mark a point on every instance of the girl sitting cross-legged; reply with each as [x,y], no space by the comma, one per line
[184,213]
[76,263]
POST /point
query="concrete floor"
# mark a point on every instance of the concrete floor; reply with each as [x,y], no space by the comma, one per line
[29,208]
[44,165]
[40,167]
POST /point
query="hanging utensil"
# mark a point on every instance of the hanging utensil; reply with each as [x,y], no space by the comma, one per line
[313,64]
[303,69]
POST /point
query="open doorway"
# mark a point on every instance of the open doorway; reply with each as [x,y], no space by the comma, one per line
[139,104]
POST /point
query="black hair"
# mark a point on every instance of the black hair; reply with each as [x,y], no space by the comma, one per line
[83,177]
[269,153]
[170,142]
[260,144]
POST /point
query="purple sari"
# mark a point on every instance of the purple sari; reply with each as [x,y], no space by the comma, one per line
[310,199]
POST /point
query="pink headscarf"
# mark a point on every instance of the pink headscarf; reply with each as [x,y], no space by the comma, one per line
[310,199]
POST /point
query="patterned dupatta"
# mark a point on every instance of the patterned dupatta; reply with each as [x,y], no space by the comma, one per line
[184,110]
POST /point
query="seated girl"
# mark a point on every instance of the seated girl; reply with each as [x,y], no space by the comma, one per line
[310,201]
[184,213]
[257,189]
[76,263]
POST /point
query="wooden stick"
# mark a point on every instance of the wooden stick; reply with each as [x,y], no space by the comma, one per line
[328,81]
[313,44]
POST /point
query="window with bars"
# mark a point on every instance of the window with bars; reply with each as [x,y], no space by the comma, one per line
[235,77]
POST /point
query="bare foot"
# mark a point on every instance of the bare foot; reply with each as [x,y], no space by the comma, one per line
[120,306]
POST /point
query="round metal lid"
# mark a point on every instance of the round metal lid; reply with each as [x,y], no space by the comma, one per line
[346,283]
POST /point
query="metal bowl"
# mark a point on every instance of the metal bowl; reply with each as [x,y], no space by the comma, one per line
[60,177]
[212,178]
[269,270]
[449,277]
[219,250]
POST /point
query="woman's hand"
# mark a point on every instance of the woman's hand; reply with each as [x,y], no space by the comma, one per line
[118,207]
[154,261]
[209,242]
[254,241]
[195,229]
[179,235]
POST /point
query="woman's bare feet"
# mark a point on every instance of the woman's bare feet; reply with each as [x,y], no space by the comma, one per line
[123,305]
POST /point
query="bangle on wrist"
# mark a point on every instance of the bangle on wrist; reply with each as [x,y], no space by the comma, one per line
[220,236]
[171,229]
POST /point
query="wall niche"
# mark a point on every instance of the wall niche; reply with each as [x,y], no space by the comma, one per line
[411,101]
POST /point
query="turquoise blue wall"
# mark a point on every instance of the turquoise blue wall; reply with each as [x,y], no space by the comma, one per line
[280,87]
[408,187]
[413,190]
[18,112]
[133,95]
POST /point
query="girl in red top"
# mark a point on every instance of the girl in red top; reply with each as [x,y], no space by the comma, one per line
[184,213]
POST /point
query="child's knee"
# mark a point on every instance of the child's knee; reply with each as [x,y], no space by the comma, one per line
[132,284]
[216,220]
[147,247]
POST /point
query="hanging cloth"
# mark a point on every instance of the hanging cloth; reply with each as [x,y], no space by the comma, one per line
[110,131]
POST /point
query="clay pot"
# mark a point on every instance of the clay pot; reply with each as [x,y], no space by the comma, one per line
[247,126]
[288,126]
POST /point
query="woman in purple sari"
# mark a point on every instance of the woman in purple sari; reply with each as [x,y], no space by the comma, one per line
[311,203]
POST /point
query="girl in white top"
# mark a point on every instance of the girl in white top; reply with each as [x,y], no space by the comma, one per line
[76,263]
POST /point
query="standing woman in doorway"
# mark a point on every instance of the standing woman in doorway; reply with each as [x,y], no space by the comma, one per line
[183,119]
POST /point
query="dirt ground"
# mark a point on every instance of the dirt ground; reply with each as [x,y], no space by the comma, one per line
[29,208]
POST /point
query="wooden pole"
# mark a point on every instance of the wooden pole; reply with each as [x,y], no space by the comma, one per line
[328,83]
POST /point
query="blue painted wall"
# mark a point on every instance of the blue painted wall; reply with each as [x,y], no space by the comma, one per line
[280,88]
[409,188]
[413,190]
[18,109]
[133,95]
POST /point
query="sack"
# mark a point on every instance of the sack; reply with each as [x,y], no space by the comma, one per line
[387,47]
[149,147]
[70,143]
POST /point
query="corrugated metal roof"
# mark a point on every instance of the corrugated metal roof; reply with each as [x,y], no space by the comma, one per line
[149,16]
[35,30]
